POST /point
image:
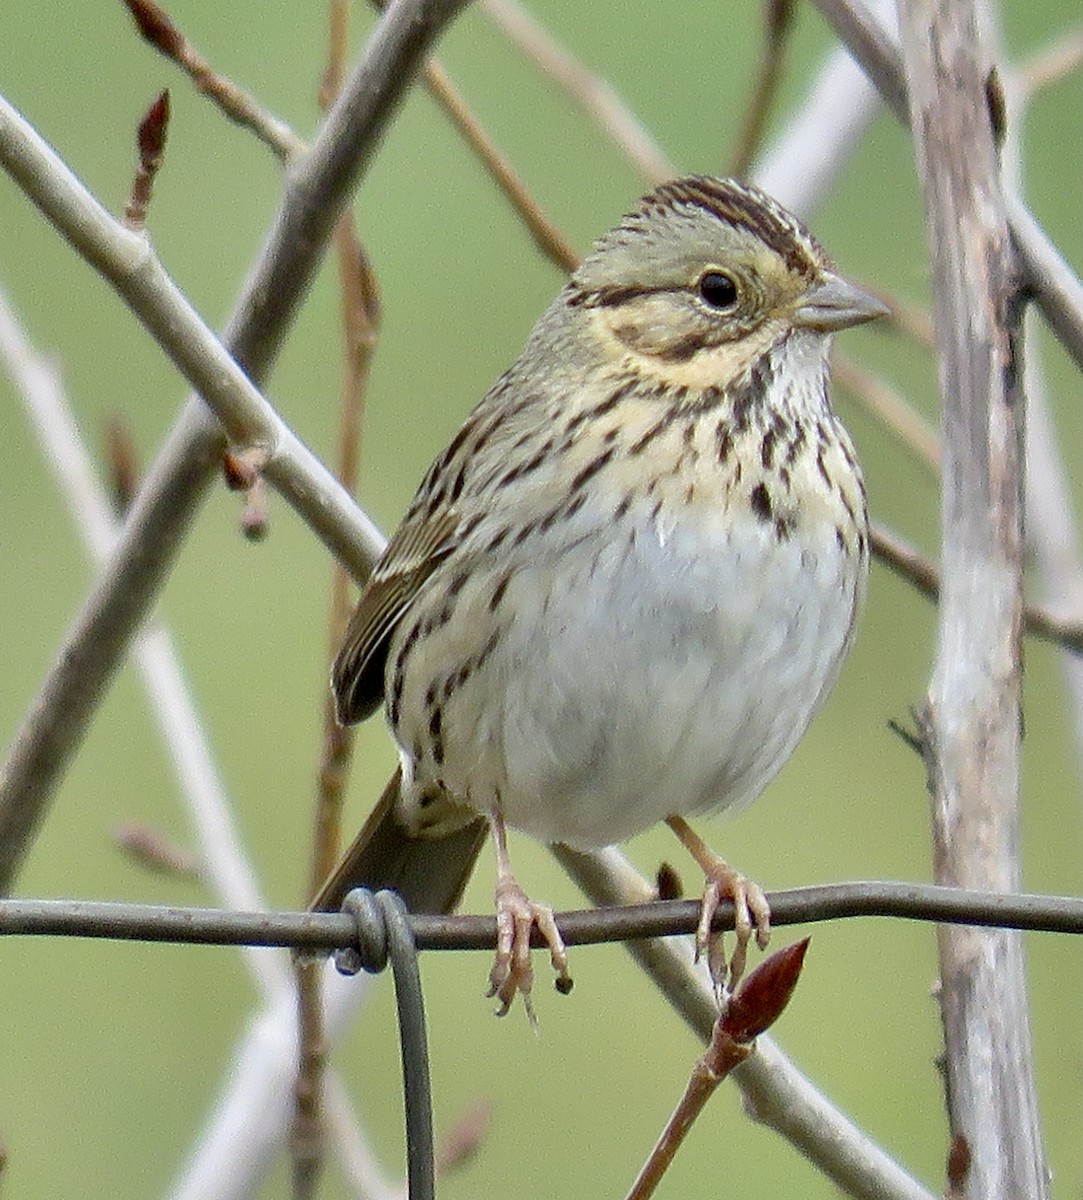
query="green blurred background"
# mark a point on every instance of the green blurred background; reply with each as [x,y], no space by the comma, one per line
[112,1054]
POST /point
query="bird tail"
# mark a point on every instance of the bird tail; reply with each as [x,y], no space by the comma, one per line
[428,873]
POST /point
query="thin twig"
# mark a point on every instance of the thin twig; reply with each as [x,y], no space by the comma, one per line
[547,237]
[127,261]
[594,95]
[1050,65]
[778,25]
[179,480]
[757,1005]
[805,160]
[1055,287]
[225,865]
[123,463]
[162,32]
[360,319]
[151,850]
[892,409]
[775,1092]
[1038,620]
[1052,535]
[913,320]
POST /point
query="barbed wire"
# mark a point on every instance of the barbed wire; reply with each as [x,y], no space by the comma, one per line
[328,932]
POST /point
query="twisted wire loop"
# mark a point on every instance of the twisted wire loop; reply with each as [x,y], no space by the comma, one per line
[384,932]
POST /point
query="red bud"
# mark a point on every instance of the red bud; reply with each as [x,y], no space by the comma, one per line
[759,1001]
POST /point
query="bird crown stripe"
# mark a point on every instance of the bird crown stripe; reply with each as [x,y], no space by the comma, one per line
[744,206]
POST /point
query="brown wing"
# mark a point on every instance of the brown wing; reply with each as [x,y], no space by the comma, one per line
[421,542]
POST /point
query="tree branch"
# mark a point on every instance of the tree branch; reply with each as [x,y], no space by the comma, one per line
[973,719]
[175,487]
[1055,287]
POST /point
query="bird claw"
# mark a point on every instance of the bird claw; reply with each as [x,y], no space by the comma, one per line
[512,973]
[751,913]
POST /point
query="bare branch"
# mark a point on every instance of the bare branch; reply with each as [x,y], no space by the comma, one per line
[893,410]
[802,164]
[1050,65]
[775,1092]
[163,33]
[778,24]
[547,237]
[148,848]
[179,479]
[1056,289]
[972,721]
[594,95]
[753,1009]
[918,570]
[223,861]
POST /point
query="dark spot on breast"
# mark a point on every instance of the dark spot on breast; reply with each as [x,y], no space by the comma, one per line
[525,532]
[591,469]
[797,444]
[483,654]
[724,441]
[456,489]
[394,700]
[469,525]
[822,467]
[708,399]
[456,679]
[655,431]
[750,395]
[436,728]
[575,504]
[498,593]
[760,501]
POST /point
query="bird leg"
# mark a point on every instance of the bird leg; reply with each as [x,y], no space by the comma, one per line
[751,910]
[516,916]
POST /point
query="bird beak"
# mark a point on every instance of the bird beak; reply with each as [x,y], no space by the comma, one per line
[833,304]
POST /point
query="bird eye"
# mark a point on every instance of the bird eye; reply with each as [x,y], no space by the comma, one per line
[717,289]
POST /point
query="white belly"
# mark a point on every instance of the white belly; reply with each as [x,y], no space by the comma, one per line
[669,672]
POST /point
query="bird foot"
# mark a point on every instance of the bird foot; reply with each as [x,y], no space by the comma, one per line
[512,973]
[751,912]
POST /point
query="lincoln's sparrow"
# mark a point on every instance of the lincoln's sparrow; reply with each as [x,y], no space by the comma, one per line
[627,584]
